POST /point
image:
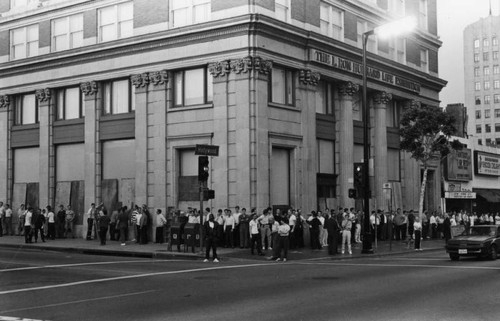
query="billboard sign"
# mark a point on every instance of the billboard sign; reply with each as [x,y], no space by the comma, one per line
[459,165]
[487,164]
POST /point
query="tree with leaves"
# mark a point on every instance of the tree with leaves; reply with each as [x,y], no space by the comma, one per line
[426,134]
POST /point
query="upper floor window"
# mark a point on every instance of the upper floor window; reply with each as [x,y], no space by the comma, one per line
[422,14]
[486,85]
[494,41]
[479,141]
[282,10]
[24,42]
[496,98]
[478,114]
[485,56]
[192,87]
[392,114]
[67,32]
[486,42]
[478,129]
[331,21]
[487,113]
[397,7]
[495,55]
[477,100]
[497,113]
[476,72]
[476,43]
[486,71]
[21,3]
[496,69]
[282,86]
[69,103]
[487,99]
[26,111]
[487,128]
[477,86]
[400,49]
[424,60]
[116,22]
[188,12]
[476,57]
[118,97]
[496,84]
[371,45]
[325,101]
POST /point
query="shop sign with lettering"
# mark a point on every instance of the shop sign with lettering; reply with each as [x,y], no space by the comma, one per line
[356,68]
[487,164]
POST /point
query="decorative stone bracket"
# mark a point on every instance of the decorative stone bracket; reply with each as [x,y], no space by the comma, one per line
[89,88]
[42,94]
[4,101]
[382,97]
[308,77]
[158,77]
[140,80]
[238,66]
[348,89]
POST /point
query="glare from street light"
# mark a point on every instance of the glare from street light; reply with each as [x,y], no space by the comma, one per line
[398,27]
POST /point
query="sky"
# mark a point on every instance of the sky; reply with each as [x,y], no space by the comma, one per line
[453,17]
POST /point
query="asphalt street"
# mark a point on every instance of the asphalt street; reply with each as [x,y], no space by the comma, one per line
[46,285]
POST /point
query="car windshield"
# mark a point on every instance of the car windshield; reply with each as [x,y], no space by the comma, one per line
[481,231]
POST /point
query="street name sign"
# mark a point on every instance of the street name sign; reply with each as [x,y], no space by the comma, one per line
[207,150]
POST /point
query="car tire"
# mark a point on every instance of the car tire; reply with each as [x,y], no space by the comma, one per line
[493,253]
[454,257]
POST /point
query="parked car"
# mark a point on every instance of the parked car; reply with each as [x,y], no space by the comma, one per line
[479,241]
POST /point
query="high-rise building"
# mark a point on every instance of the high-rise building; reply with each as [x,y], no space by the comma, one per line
[106,100]
[482,79]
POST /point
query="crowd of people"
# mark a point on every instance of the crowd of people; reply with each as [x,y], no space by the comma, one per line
[276,231]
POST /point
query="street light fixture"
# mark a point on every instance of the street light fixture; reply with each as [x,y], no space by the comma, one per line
[391,29]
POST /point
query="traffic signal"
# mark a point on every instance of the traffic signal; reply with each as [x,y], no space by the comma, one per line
[359,176]
[208,194]
[353,193]
[203,168]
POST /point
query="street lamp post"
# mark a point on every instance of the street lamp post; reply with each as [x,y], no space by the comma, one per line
[390,29]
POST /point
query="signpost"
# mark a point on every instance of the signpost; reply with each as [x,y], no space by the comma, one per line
[204,150]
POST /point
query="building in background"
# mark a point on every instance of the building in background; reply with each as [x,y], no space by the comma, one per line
[482,79]
[105,100]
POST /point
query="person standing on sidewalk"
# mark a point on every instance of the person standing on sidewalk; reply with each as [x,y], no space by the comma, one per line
[346,234]
[143,227]
[69,222]
[255,238]
[160,224]
[91,216]
[229,223]
[104,221]
[283,240]
[21,213]
[51,226]
[417,228]
[2,219]
[8,220]
[314,224]
[265,228]
[244,221]
[27,226]
[333,228]
[210,231]
[38,222]
[122,224]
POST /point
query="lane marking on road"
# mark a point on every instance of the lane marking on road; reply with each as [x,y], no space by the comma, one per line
[77,301]
[136,276]
[80,264]
[454,267]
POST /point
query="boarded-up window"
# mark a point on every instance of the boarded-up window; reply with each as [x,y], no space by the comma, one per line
[188,175]
[393,164]
[118,159]
[26,165]
[326,160]
[280,176]
[70,162]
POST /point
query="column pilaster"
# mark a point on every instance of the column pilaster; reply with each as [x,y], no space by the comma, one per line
[5,182]
[46,147]
[346,142]
[380,101]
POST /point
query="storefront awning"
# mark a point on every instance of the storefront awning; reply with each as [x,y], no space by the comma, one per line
[491,195]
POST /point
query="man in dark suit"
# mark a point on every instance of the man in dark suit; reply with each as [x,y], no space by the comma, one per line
[210,231]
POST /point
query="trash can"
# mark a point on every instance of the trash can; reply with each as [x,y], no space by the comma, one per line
[177,234]
[192,235]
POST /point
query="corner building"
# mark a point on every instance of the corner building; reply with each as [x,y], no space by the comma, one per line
[105,101]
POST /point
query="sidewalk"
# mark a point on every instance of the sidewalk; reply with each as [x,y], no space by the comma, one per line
[162,251]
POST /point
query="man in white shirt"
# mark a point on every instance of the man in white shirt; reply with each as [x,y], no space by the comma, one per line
[254,234]
[91,216]
[265,228]
[229,224]
[236,230]
[8,220]
[20,219]
[51,222]
[2,219]
[292,221]
[27,226]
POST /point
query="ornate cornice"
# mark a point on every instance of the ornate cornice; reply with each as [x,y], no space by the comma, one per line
[348,88]
[89,88]
[140,80]
[158,77]
[308,77]
[219,68]
[42,94]
[4,101]
[382,97]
